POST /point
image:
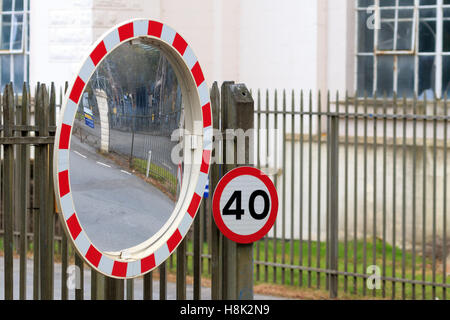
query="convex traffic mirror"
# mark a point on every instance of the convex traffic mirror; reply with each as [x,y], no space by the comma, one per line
[132,148]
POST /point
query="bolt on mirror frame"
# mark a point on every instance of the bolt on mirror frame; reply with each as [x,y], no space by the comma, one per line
[197,146]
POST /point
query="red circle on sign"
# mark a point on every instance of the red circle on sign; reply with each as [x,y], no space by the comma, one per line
[226,179]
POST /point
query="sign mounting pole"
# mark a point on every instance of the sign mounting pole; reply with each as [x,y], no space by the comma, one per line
[237,113]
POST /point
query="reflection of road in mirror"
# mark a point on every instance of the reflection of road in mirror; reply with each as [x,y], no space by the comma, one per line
[124,183]
[117,209]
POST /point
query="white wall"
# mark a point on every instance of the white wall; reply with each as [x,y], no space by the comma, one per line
[288,44]
[60,34]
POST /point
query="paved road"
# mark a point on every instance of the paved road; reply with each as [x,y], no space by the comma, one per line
[138,285]
[117,209]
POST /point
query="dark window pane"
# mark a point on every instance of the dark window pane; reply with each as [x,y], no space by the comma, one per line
[404,36]
[19,5]
[446,40]
[427,13]
[385,75]
[6,32]
[426,75]
[365,3]
[18,72]
[386,36]
[387,3]
[427,2]
[6,69]
[405,78]
[387,14]
[17,32]
[365,35]
[365,75]
[427,38]
[446,75]
[406,13]
[406,3]
[7,5]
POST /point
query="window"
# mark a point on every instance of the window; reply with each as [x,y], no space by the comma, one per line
[403,46]
[14,42]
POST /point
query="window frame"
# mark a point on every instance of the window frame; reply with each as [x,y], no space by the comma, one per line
[438,53]
[24,50]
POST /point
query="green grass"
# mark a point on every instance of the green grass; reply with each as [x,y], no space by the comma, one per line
[349,286]
[156,172]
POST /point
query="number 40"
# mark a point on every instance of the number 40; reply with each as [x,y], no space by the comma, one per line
[238,211]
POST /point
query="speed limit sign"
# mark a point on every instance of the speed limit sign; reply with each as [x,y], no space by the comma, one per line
[245,204]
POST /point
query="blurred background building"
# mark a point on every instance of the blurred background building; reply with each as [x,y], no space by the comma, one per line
[323,44]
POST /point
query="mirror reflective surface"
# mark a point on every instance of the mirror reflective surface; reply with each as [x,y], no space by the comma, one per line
[124,182]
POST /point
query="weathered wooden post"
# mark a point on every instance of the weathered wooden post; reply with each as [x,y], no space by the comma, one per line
[237,113]
[8,188]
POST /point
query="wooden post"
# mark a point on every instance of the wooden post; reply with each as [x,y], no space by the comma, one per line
[24,174]
[237,113]
[8,188]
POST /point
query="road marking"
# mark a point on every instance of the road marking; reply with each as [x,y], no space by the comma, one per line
[125,172]
[80,154]
[166,165]
[103,164]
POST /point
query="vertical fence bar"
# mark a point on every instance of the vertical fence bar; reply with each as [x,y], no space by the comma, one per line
[334,209]
[433,270]
[300,225]
[355,199]
[383,282]
[374,213]
[345,187]
[424,193]
[328,182]
[114,289]
[181,268]
[130,289]
[24,174]
[258,165]
[198,246]
[413,253]
[148,286]
[79,289]
[319,185]
[284,213]
[365,194]
[310,188]
[394,194]
[266,238]
[275,154]
[51,214]
[162,281]
[37,173]
[216,265]
[292,186]
[404,198]
[8,188]
[46,221]
[444,205]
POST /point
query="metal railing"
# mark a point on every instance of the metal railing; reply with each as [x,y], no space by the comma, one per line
[363,194]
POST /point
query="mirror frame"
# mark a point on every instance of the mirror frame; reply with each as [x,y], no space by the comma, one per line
[197,146]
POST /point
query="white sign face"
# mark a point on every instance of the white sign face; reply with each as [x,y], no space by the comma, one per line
[245,205]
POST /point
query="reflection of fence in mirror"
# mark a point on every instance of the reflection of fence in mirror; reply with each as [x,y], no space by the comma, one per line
[124,182]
